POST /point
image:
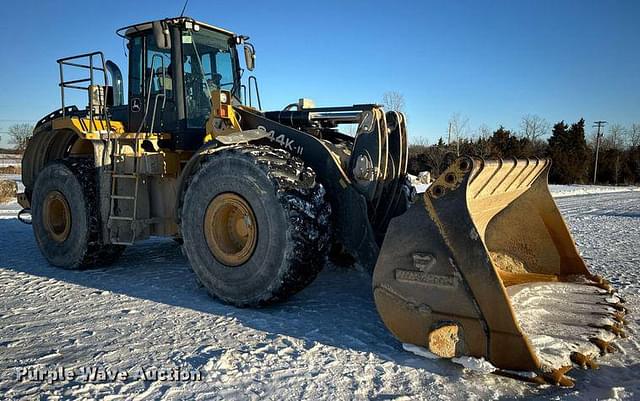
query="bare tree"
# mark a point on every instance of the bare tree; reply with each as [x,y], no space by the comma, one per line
[438,158]
[458,126]
[393,100]
[533,127]
[616,137]
[634,135]
[19,134]
[615,141]
[483,147]
[483,132]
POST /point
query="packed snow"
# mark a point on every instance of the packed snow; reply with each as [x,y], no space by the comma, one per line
[562,318]
[560,191]
[7,160]
[147,314]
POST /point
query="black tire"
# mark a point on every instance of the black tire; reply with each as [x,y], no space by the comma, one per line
[75,179]
[292,219]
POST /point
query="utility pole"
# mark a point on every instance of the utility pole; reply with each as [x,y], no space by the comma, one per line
[457,139]
[599,125]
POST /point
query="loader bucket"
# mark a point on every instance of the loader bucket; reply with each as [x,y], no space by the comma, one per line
[484,266]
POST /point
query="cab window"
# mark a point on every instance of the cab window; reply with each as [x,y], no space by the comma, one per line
[209,62]
[159,63]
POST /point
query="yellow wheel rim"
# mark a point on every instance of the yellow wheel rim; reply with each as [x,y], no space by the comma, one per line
[230,229]
[57,216]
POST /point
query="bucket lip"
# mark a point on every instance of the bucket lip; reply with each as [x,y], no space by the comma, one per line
[480,164]
[466,169]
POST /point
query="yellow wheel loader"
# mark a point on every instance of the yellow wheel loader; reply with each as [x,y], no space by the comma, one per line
[481,265]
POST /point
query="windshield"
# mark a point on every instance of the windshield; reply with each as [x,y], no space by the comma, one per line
[209,63]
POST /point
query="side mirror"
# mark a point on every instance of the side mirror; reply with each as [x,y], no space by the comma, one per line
[249,56]
[161,35]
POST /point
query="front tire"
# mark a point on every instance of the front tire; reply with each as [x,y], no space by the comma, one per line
[66,219]
[255,225]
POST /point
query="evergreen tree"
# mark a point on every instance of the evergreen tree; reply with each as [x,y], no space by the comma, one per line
[569,152]
[505,144]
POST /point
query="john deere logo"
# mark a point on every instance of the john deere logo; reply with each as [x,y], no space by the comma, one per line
[135,105]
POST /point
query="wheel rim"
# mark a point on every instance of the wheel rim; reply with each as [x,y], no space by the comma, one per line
[230,229]
[57,216]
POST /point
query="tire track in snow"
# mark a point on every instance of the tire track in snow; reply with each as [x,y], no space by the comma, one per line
[325,343]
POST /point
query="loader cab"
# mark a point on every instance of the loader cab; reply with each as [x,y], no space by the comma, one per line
[174,64]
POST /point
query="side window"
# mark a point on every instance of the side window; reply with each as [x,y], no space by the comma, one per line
[135,66]
[224,69]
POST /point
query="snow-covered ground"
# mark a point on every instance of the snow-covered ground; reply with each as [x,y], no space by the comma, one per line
[10,160]
[327,342]
[560,191]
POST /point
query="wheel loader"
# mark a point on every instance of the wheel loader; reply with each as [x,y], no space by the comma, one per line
[481,265]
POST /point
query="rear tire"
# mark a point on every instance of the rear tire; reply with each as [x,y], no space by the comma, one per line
[285,229]
[66,220]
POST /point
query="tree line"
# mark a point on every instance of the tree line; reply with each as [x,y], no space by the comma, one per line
[571,150]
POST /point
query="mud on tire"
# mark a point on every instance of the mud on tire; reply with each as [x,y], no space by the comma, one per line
[291,215]
[74,179]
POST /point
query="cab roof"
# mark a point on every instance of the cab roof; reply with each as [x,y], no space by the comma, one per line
[145,26]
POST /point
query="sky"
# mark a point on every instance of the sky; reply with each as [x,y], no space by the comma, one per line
[489,61]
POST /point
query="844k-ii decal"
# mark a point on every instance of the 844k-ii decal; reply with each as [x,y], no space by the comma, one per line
[284,142]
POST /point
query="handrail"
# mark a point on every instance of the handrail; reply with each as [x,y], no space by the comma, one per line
[244,94]
[255,83]
[75,61]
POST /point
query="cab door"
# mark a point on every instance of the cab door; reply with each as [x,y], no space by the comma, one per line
[151,87]
[136,80]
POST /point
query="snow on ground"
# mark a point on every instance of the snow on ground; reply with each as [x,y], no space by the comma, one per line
[7,160]
[327,342]
[560,191]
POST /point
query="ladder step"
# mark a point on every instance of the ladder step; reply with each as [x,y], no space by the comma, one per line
[121,243]
[151,220]
[124,218]
[123,197]
[124,175]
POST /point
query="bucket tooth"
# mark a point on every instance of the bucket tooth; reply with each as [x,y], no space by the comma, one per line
[558,377]
[584,361]
[605,346]
[618,307]
[619,317]
[602,283]
[616,329]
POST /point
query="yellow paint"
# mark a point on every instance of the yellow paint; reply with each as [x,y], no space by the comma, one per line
[93,130]
[86,128]
[222,115]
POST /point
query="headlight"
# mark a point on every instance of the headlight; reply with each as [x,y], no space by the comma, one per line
[224,98]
